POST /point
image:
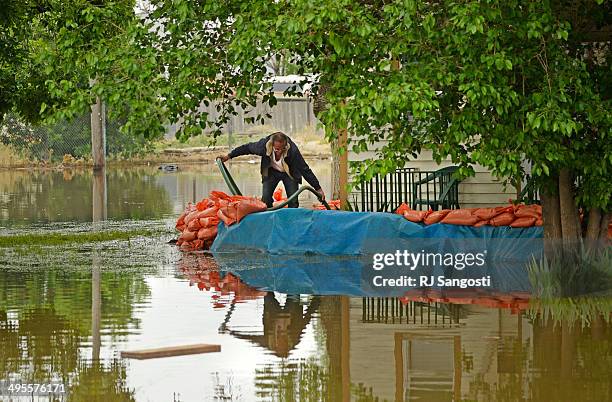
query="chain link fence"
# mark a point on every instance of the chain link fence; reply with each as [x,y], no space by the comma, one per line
[50,143]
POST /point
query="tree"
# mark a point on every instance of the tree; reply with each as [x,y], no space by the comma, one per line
[494,83]
[21,86]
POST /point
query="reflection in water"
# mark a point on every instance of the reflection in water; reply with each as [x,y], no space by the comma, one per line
[495,347]
[46,196]
[291,330]
[327,348]
[282,325]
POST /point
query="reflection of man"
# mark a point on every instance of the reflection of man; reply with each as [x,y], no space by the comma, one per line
[283,325]
[281,160]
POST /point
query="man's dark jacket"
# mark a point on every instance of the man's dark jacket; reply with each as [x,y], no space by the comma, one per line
[293,163]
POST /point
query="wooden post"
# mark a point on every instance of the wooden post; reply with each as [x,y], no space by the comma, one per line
[399,367]
[308,117]
[345,348]
[343,168]
[457,367]
[98,134]
[96,307]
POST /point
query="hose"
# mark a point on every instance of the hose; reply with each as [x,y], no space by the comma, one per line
[227,177]
[235,191]
[296,194]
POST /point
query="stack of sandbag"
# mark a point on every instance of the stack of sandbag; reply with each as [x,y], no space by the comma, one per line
[198,223]
[516,216]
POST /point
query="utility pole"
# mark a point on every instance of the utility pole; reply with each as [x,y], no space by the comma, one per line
[98,134]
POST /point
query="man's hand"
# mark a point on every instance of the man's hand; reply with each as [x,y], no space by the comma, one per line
[321,193]
[224,158]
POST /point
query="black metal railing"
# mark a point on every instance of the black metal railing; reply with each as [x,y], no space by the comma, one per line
[417,188]
[384,193]
[530,194]
[436,190]
[391,310]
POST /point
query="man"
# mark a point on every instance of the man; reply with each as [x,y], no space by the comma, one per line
[281,160]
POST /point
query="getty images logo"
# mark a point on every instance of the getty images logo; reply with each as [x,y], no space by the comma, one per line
[410,260]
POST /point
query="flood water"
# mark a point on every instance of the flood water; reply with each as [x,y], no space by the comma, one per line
[68,311]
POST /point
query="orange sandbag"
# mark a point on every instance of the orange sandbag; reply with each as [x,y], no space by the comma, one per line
[190,216]
[249,206]
[210,221]
[207,213]
[460,217]
[228,220]
[524,222]
[436,216]
[194,225]
[528,211]
[278,194]
[539,222]
[488,213]
[207,233]
[481,223]
[415,216]
[187,236]
[402,208]
[237,210]
[333,204]
[180,228]
[219,195]
[198,244]
[202,205]
[504,219]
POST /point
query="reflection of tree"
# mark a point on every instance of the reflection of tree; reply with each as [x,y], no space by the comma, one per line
[303,380]
[571,364]
[568,359]
[49,343]
[95,382]
[46,320]
[69,295]
[48,197]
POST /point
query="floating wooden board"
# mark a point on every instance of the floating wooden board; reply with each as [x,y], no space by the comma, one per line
[171,351]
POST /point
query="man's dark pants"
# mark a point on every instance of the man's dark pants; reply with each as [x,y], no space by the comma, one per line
[271,181]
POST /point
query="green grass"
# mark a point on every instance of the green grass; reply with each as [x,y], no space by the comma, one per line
[54,239]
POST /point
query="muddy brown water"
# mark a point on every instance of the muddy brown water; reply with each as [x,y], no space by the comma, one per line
[67,312]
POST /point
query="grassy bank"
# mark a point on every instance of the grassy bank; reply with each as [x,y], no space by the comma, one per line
[56,239]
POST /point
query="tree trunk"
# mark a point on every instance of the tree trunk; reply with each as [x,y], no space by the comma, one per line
[319,105]
[570,228]
[552,223]
[603,229]
[551,216]
[594,224]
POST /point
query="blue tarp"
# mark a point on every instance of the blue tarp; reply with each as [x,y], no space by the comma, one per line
[302,231]
[333,252]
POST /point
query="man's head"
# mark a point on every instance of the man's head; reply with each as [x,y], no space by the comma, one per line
[279,142]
